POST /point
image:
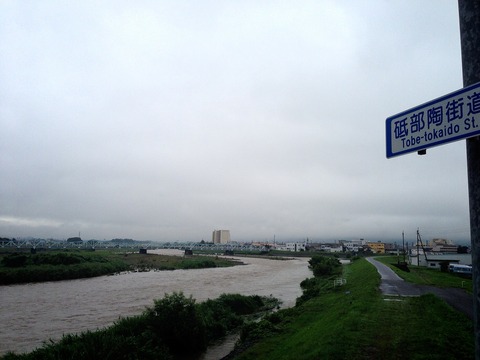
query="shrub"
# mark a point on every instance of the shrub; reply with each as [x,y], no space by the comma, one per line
[311,288]
[198,264]
[323,265]
[323,268]
[15,260]
[60,258]
[175,319]
[241,305]
[218,319]
[254,331]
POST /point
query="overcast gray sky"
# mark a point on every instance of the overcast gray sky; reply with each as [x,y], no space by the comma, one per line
[164,120]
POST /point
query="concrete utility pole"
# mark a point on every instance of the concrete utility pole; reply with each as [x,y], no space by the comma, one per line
[469,13]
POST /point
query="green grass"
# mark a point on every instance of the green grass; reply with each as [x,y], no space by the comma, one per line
[355,322]
[24,267]
[140,262]
[425,276]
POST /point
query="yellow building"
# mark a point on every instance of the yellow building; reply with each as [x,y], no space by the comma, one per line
[377,247]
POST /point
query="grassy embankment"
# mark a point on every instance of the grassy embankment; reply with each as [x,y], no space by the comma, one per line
[355,321]
[23,267]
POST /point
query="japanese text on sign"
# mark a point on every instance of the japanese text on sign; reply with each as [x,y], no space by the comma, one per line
[452,117]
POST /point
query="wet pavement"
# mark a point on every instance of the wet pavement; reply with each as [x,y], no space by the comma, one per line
[393,285]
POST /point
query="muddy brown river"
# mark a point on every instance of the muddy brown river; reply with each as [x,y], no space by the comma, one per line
[34,313]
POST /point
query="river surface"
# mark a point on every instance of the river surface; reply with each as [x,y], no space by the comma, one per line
[34,313]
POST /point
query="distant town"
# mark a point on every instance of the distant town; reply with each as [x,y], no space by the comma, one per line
[434,253]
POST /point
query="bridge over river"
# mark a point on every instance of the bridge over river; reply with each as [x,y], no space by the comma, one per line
[134,245]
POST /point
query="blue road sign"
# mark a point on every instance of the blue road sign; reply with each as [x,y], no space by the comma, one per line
[449,118]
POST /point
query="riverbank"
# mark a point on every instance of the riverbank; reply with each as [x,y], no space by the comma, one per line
[24,267]
[176,327]
[337,322]
[74,306]
[354,321]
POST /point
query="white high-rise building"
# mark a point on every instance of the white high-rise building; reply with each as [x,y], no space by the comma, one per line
[221,236]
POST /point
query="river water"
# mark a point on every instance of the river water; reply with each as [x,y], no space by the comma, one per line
[34,313]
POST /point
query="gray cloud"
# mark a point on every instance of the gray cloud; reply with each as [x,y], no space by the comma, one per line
[166,120]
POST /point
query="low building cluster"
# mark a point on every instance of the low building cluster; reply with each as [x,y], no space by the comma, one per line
[439,254]
[356,246]
[436,254]
[339,246]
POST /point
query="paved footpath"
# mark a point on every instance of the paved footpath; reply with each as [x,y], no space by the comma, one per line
[394,285]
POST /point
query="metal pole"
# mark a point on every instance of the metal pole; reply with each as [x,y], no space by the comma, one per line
[469,15]
[418,251]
